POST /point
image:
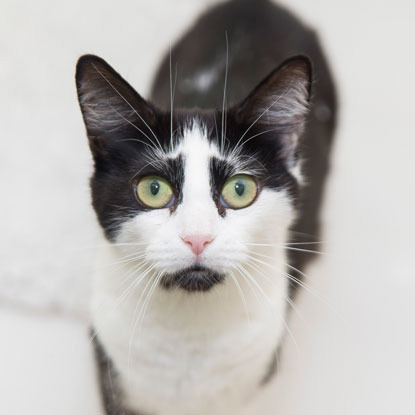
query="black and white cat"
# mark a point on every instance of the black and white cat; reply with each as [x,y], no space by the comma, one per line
[199,198]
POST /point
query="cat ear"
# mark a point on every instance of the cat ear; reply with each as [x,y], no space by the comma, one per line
[280,104]
[111,108]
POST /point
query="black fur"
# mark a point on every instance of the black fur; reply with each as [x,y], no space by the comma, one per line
[108,379]
[272,368]
[195,278]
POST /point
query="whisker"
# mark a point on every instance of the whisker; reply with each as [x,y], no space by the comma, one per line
[142,295]
[154,280]
[287,299]
[270,257]
[148,298]
[135,126]
[150,162]
[175,80]
[305,243]
[171,104]
[308,235]
[224,93]
[136,140]
[124,244]
[301,284]
[291,248]
[258,287]
[216,128]
[125,260]
[135,283]
[299,271]
[241,294]
[241,268]
[249,283]
[237,148]
[297,311]
[124,294]
[290,334]
[294,279]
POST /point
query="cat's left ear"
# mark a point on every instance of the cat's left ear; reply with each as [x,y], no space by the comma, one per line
[279,104]
[111,108]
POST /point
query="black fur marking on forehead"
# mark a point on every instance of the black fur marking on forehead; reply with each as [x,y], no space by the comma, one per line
[259,157]
[176,176]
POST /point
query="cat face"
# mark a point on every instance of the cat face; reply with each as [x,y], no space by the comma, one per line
[194,192]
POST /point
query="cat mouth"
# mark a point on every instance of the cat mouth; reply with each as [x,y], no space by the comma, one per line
[194,278]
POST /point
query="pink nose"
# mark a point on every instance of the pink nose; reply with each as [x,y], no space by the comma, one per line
[198,242]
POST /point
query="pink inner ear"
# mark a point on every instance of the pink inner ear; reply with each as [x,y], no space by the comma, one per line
[197,242]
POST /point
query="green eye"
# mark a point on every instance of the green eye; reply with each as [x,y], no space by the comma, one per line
[154,192]
[239,191]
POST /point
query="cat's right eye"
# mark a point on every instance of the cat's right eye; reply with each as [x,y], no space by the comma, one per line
[155,192]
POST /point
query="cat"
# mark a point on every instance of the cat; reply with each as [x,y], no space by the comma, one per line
[201,192]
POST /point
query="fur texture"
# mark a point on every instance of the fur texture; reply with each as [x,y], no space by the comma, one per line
[185,333]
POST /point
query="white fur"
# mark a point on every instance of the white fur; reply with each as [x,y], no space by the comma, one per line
[203,80]
[196,353]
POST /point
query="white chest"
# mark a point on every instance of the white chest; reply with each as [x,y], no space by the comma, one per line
[191,355]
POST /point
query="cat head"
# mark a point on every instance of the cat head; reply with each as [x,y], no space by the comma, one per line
[190,194]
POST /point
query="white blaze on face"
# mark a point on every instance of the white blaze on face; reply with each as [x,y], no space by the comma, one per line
[197,214]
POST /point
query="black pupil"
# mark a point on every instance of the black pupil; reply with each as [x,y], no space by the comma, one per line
[154,187]
[239,188]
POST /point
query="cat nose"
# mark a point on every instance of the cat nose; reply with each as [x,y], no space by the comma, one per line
[197,242]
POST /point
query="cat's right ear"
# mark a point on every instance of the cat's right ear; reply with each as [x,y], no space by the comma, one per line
[111,108]
[280,104]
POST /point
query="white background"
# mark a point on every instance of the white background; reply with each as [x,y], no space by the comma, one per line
[354,351]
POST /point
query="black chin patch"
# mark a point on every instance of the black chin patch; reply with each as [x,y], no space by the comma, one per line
[194,278]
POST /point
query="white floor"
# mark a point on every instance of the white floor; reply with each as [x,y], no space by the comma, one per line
[46,366]
[354,343]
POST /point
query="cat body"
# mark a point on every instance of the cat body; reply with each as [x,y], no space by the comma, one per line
[197,197]
[196,352]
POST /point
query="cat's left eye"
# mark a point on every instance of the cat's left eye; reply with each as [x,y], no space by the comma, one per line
[155,192]
[239,192]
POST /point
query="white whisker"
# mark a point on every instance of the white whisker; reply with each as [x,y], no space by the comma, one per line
[135,126]
[171,104]
[287,299]
[302,284]
[224,96]
[130,288]
[253,281]
[292,278]
[241,294]
[154,280]
[286,246]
